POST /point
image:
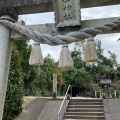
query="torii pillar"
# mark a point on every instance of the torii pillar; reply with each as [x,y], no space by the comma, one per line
[5,56]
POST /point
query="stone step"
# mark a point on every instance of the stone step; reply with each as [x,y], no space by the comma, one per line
[86,113]
[86,100]
[83,117]
[85,103]
[85,106]
[84,109]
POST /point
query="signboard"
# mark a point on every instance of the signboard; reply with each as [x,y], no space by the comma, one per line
[67,13]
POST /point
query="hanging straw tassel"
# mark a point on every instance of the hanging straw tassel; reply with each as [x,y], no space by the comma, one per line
[90,54]
[65,60]
[36,57]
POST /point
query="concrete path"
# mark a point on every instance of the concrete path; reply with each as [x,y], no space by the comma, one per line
[50,110]
[32,110]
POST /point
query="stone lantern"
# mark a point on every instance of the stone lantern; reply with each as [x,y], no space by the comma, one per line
[105,85]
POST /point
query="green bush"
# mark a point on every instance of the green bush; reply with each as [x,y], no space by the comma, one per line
[80,78]
[98,92]
[14,95]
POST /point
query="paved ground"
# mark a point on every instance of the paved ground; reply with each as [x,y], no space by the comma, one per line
[112,109]
[47,109]
[33,109]
[40,108]
[27,100]
[50,110]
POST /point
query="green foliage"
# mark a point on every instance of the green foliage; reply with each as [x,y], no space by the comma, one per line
[83,79]
[98,92]
[78,62]
[104,67]
[38,80]
[27,70]
[80,78]
[113,90]
[14,95]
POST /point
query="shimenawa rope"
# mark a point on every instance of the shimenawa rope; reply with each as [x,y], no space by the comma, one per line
[61,39]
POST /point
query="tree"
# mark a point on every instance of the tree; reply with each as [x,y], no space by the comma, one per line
[113,58]
[77,59]
[77,56]
[14,94]
[28,73]
[80,78]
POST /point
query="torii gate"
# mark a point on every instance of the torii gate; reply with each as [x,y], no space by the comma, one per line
[67,18]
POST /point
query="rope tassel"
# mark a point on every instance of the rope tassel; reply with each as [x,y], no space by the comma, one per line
[36,57]
[90,54]
[65,60]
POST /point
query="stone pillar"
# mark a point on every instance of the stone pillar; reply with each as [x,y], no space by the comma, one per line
[5,57]
[54,85]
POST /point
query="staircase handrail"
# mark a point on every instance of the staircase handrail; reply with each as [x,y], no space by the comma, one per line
[64,102]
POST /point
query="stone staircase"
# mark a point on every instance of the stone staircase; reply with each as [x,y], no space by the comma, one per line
[85,109]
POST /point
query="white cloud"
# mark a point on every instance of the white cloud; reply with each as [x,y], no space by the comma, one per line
[108,41]
[100,12]
[40,18]
[53,50]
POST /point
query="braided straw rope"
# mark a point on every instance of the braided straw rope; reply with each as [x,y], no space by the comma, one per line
[61,39]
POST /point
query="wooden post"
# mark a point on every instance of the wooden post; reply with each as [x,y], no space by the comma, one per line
[5,57]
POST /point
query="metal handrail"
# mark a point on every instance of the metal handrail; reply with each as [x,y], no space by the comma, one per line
[64,102]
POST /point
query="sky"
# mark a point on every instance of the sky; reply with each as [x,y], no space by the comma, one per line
[109,41]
